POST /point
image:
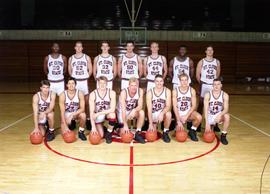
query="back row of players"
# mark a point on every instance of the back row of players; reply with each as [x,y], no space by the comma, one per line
[75,103]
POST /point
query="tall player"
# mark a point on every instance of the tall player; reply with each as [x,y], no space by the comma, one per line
[158,101]
[80,68]
[216,107]
[72,106]
[129,65]
[105,65]
[184,106]
[154,64]
[55,66]
[102,106]
[181,64]
[130,106]
[43,105]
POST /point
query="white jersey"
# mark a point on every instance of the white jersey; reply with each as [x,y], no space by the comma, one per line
[215,104]
[105,67]
[72,105]
[209,71]
[43,104]
[154,67]
[158,102]
[55,68]
[180,67]
[79,67]
[102,103]
[184,101]
[131,102]
[130,66]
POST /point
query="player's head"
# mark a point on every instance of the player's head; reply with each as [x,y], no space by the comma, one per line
[130,46]
[71,83]
[45,86]
[78,47]
[183,79]
[133,84]
[159,82]
[217,84]
[154,47]
[104,46]
[102,82]
[182,50]
[209,51]
[55,47]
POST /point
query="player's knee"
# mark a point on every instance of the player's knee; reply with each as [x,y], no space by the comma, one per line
[168,115]
[227,117]
[199,117]
[50,115]
[82,116]
[141,114]
[111,116]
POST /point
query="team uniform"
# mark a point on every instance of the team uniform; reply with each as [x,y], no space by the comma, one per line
[101,104]
[130,68]
[80,72]
[208,74]
[158,103]
[42,106]
[180,67]
[131,103]
[105,68]
[215,107]
[154,67]
[56,74]
[183,101]
[71,105]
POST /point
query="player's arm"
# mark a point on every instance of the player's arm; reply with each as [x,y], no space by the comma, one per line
[218,68]
[191,67]
[119,67]
[171,68]
[65,64]
[175,109]
[140,101]
[52,103]
[149,106]
[140,66]
[206,107]
[226,104]
[123,107]
[89,65]
[92,99]
[82,105]
[168,102]
[45,65]
[69,66]
[95,67]
[35,110]
[198,71]
[165,68]
[193,103]
[62,111]
[145,70]
[114,68]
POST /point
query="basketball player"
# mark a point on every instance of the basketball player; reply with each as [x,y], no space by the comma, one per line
[181,64]
[105,65]
[55,66]
[43,105]
[130,106]
[72,106]
[184,105]
[80,68]
[158,101]
[129,65]
[154,64]
[102,106]
[216,107]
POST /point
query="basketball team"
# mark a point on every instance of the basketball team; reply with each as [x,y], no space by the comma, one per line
[91,111]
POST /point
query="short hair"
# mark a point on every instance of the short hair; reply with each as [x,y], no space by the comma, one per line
[132,80]
[219,79]
[55,43]
[154,42]
[209,46]
[183,75]
[158,76]
[130,42]
[183,46]
[104,42]
[102,78]
[45,82]
[78,42]
[71,79]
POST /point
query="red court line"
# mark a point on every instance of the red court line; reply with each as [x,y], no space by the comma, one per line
[131,170]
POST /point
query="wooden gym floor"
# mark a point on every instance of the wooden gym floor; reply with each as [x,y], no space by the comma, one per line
[153,168]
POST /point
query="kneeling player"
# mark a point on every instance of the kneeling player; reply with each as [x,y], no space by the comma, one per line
[102,104]
[158,101]
[184,105]
[216,106]
[43,104]
[130,107]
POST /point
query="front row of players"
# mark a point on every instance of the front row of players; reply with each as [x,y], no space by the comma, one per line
[103,106]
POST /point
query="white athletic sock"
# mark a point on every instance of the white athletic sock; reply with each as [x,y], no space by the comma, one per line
[81,129]
[194,128]
[224,132]
[138,129]
[165,130]
[109,130]
[51,129]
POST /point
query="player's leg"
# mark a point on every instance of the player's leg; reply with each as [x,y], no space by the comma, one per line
[88,122]
[140,121]
[112,121]
[167,122]
[196,119]
[226,123]
[81,117]
[50,133]
[41,123]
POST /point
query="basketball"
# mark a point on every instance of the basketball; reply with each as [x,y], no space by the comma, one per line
[181,135]
[151,135]
[209,137]
[36,138]
[94,138]
[69,136]
[127,137]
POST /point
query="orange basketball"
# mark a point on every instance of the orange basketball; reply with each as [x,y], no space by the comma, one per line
[36,138]
[94,138]
[209,137]
[127,137]
[181,135]
[151,135]
[69,136]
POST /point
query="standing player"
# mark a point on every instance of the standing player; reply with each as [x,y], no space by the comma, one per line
[105,65]
[43,104]
[130,106]
[71,103]
[179,65]
[154,64]
[216,107]
[80,68]
[55,66]
[102,106]
[184,105]
[158,101]
[129,65]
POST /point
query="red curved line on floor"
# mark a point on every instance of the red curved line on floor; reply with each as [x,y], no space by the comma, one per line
[153,164]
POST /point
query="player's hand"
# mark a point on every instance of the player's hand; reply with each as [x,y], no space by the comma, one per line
[207,128]
[36,130]
[94,130]
[125,129]
[179,126]
[151,128]
[160,117]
